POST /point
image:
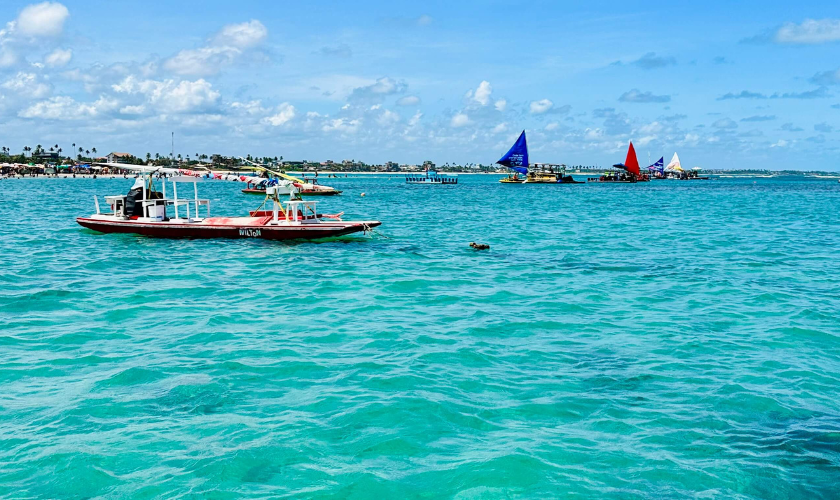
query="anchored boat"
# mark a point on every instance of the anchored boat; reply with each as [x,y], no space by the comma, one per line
[431,177]
[146,211]
[627,173]
[304,188]
[516,159]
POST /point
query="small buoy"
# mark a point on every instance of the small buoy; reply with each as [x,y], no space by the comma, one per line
[363,194]
[480,246]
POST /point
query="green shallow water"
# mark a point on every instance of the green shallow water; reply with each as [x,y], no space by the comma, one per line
[649,341]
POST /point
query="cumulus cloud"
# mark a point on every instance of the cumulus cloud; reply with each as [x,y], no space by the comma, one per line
[823,127]
[58,57]
[377,91]
[171,96]
[615,123]
[224,48]
[817,93]
[409,100]
[481,95]
[66,108]
[342,125]
[500,105]
[283,115]
[827,78]
[725,123]
[34,24]
[459,120]
[637,96]
[42,19]
[810,31]
[540,107]
[27,85]
[653,61]
[759,118]
[341,50]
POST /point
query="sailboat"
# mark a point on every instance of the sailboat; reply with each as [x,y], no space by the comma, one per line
[632,172]
[675,167]
[516,159]
[657,169]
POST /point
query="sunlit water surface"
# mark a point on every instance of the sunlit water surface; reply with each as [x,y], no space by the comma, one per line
[666,339]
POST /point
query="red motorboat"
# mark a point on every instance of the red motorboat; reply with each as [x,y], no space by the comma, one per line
[144,211]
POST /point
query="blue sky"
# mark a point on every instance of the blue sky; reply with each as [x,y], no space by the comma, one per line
[727,85]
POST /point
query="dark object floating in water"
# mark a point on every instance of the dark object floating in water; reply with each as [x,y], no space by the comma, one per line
[480,246]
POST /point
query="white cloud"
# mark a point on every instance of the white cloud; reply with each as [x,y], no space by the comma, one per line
[809,32]
[725,123]
[500,128]
[500,105]
[285,113]
[343,125]
[387,118]
[133,110]
[224,48]
[541,106]
[242,35]
[779,144]
[415,120]
[459,120]
[34,24]
[593,134]
[409,100]
[482,93]
[552,126]
[58,57]
[66,108]
[42,19]
[377,91]
[27,85]
[644,141]
[171,96]
[651,128]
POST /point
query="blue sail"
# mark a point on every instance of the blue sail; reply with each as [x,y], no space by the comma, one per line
[517,157]
[659,165]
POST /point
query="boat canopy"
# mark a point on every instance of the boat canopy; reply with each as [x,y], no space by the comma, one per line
[675,164]
[517,157]
[631,163]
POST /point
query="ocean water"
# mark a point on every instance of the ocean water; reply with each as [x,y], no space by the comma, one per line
[663,340]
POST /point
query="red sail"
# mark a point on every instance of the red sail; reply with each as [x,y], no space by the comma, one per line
[632,163]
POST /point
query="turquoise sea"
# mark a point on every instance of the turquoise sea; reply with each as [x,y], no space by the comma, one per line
[662,340]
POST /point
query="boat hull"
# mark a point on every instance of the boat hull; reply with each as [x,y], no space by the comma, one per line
[212,231]
[261,192]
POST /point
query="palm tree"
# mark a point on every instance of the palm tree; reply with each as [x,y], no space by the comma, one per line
[80,150]
[87,152]
[94,150]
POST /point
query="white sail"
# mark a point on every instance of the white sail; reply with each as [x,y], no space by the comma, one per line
[675,164]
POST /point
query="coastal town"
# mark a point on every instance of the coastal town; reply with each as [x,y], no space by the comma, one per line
[45,161]
[53,160]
